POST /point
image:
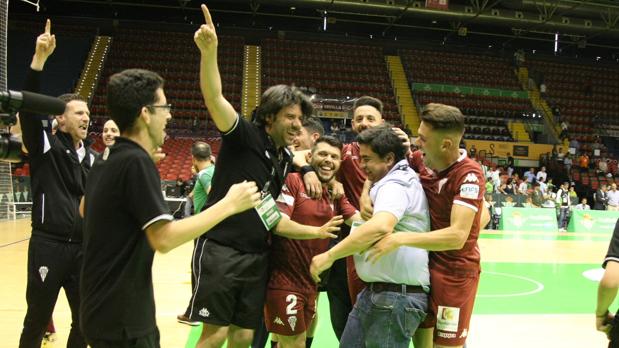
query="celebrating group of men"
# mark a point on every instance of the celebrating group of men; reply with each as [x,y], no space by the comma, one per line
[265,236]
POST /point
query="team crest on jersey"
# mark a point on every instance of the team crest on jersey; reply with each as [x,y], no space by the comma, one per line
[470,178]
[43,270]
[278,321]
[292,321]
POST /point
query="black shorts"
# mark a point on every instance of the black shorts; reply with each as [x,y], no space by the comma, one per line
[230,286]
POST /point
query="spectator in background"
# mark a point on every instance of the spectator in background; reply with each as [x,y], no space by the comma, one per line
[582,205]
[561,155]
[510,187]
[602,167]
[555,153]
[549,200]
[564,130]
[613,198]
[542,175]
[528,203]
[573,195]
[510,164]
[180,187]
[509,202]
[489,203]
[495,176]
[550,187]
[575,144]
[529,175]
[472,152]
[600,198]
[110,132]
[583,162]
[537,197]
[564,204]
[542,186]
[523,188]
[567,162]
[489,185]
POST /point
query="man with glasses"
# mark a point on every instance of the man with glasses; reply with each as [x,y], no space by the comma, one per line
[126,218]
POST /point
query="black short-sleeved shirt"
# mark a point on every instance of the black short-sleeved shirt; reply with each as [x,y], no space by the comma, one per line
[247,153]
[613,247]
[123,197]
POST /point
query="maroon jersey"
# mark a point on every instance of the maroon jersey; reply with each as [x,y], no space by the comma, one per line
[461,183]
[351,175]
[291,259]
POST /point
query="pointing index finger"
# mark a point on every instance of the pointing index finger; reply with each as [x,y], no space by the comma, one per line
[207,15]
[48,26]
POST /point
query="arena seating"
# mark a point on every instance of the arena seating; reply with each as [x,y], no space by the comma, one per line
[334,70]
[586,95]
[487,116]
[175,57]
[461,69]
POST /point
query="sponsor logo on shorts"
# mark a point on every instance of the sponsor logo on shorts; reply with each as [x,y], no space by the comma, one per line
[278,321]
[43,270]
[204,312]
[447,319]
[469,191]
[292,321]
[446,335]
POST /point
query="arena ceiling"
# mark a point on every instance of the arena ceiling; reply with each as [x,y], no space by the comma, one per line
[579,23]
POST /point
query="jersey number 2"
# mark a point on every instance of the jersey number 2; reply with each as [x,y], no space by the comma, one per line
[293,302]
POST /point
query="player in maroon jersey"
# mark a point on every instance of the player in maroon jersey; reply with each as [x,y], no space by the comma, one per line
[454,185]
[291,293]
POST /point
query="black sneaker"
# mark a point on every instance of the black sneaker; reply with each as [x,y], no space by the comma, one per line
[183,319]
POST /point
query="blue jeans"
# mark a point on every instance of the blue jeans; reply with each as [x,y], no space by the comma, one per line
[563,216]
[384,319]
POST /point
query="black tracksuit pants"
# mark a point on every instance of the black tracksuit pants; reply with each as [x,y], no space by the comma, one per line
[51,265]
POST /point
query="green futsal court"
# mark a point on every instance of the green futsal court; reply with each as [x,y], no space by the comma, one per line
[529,286]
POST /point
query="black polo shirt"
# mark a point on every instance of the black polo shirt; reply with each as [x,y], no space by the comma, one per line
[247,153]
[123,197]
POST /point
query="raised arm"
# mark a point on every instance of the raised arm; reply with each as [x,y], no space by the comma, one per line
[221,110]
[31,127]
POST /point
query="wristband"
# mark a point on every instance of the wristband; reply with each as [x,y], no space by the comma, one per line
[306,169]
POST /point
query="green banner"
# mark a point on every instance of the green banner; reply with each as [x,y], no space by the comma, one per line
[435,87]
[529,219]
[596,221]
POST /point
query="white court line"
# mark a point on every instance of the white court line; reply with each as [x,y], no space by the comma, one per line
[539,286]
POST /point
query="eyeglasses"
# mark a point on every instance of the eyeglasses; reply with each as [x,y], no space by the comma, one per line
[166,106]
